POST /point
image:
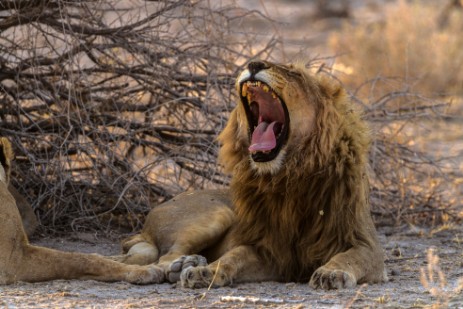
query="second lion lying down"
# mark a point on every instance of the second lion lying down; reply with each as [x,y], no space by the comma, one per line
[22,261]
[297,208]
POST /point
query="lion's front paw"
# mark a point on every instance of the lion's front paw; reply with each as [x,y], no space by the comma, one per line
[327,278]
[182,263]
[204,276]
[196,277]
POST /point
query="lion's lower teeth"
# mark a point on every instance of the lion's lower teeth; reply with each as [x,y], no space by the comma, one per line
[263,151]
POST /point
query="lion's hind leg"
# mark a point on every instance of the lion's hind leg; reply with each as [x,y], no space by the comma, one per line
[178,233]
[137,251]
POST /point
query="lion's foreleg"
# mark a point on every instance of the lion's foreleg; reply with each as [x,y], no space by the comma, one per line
[241,264]
[344,270]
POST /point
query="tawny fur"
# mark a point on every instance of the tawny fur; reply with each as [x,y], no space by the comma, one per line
[28,217]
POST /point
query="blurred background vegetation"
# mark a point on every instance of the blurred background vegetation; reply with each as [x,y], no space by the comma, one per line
[114,106]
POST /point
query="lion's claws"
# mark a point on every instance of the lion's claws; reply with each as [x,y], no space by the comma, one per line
[196,277]
[182,263]
[327,279]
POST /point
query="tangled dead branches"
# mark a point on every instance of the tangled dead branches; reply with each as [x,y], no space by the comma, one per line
[114,106]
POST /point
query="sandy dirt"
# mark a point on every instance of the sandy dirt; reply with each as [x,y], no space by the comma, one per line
[406,249]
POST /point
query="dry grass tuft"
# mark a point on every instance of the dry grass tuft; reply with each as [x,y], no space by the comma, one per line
[433,279]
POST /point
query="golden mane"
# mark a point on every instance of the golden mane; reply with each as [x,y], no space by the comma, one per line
[296,216]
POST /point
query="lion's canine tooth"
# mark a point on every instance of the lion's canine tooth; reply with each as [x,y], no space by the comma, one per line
[249,97]
[265,88]
[274,95]
[258,83]
[244,90]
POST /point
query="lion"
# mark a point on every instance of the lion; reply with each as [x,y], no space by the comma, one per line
[21,261]
[297,208]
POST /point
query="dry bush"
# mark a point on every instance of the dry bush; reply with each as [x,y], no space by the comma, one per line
[114,106]
[410,43]
[409,181]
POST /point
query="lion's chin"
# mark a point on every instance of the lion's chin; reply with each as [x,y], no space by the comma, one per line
[270,167]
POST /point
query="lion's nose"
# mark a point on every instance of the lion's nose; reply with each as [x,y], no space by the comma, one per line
[255,66]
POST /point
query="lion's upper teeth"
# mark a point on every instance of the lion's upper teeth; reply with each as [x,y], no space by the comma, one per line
[248,84]
[254,83]
[244,90]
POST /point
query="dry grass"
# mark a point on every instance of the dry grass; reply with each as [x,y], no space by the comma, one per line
[418,44]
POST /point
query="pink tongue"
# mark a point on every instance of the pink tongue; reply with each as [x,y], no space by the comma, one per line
[263,137]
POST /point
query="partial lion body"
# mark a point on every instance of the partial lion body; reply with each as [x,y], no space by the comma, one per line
[28,218]
[21,261]
[298,204]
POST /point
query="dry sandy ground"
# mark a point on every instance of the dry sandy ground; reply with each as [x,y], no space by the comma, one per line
[406,249]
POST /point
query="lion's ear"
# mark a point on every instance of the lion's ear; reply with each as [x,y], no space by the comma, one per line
[331,88]
[6,155]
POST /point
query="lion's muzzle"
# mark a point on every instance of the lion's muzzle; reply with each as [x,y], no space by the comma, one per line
[266,113]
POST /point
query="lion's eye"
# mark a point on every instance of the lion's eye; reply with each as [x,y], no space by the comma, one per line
[294,73]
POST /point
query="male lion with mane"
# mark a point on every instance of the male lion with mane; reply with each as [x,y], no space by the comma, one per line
[298,204]
[21,261]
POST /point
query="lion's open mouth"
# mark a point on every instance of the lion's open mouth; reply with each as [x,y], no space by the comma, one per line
[268,120]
